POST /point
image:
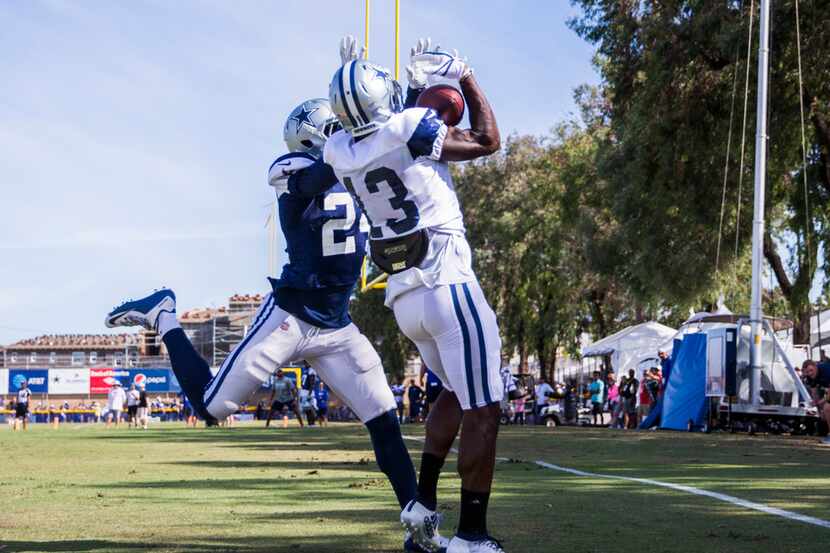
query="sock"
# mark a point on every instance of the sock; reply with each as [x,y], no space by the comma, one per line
[472,523]
[392,455]
[167,321]
[428,480]
[192,372]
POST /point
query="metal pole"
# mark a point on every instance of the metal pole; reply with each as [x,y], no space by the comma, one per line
[366,39]
[397,38]
[756,313]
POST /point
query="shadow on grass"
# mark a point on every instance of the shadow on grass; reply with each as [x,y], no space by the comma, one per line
[256,544]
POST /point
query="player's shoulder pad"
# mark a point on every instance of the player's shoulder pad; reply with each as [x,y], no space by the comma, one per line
[421,130]
[285,166]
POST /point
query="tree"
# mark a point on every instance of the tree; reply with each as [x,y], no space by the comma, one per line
[668,72]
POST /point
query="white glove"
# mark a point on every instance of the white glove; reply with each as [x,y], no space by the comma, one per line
[348,50]
[285,166]
[417,77]
[440,63]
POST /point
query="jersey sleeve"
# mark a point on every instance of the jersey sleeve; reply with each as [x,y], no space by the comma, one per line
[314,179]
[301,174]
[285,166]
[423,132]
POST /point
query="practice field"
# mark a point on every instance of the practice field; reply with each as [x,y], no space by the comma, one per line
[251,489]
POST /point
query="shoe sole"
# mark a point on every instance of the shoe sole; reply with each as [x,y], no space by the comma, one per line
[113,321]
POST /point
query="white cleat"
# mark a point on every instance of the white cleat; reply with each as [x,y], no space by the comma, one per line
[422,527]
[487,545]
[143,312]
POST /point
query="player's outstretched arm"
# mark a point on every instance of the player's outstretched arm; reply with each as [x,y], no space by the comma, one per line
[482,138]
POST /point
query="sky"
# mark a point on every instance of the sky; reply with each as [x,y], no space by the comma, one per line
[135,136]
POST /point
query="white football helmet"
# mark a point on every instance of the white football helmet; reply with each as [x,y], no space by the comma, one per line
[309,125]
[362,95]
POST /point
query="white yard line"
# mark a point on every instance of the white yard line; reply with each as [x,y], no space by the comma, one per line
[789,515]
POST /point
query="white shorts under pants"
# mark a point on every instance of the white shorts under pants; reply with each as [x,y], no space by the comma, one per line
[343,358]
[457,335]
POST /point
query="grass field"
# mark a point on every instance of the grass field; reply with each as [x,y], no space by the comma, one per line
[248,489]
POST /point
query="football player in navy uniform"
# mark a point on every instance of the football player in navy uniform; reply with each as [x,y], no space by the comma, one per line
[307,314]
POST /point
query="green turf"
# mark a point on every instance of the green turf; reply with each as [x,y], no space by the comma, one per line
[86,488]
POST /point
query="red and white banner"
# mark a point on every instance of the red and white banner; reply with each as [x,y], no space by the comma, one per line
[68,381]
[101,380]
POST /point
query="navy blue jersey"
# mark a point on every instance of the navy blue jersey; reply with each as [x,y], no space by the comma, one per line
[325,246]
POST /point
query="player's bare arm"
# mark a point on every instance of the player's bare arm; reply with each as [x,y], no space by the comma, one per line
[482,138]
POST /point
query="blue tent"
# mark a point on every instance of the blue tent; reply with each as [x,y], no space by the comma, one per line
[653,418]
[684,399]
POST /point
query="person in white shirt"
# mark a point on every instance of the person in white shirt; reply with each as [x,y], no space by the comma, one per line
[132,406]
[21,411]
[543,391]
[115,403]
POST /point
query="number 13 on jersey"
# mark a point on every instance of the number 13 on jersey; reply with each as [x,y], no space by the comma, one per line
[387,194]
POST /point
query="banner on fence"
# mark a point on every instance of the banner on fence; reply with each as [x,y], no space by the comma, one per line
[101,380]
[68,381]
[4,382]
[153,380]
[37,379]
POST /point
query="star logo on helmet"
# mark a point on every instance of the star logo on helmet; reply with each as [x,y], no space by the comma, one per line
[303,116]
[380,73]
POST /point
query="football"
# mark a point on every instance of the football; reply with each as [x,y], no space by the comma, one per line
[446,100]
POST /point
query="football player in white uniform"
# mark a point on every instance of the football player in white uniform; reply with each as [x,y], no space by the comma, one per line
[394,162]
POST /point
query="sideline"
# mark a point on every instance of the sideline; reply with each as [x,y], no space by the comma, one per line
[789,515]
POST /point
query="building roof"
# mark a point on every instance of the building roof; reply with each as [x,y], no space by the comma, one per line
[78,341]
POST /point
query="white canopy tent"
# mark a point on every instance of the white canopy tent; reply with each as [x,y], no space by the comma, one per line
[820,333]
[628,346]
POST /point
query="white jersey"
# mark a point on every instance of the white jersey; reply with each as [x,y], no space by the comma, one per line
[23,395]
[398,180]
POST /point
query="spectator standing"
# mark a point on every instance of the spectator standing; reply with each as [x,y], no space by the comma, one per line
[543,393]
[597,390]
[143,410]
[519,411]
[115,404]
[614,403]
[414,393]
[646,399]
[817,379]
[132,406]
[321,395]
[21,408]
[308,405]
[653,380]
[283,396]
[665,365]
[629,388]
[397,392]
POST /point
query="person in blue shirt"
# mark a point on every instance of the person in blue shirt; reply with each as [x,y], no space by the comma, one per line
[597,389]
[321,394]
